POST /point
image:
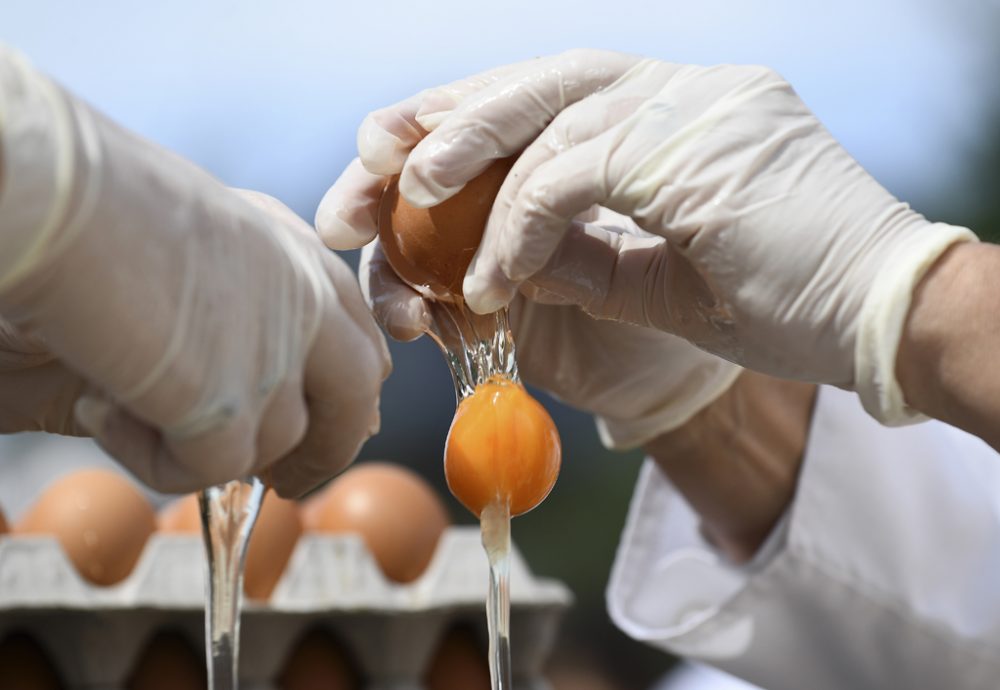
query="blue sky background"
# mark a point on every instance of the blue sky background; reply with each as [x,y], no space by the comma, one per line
[267,95]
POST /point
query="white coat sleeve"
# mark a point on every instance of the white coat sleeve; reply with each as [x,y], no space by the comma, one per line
[884,573]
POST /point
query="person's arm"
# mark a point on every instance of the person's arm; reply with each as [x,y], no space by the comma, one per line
[737,461]
[946,363]
[778,252]
[215,334]
[879,571]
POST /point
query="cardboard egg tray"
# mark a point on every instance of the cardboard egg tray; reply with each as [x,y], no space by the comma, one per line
[95,634]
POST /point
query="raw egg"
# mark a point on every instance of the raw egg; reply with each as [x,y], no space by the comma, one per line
[169,662]
[24,665]
[101,520]
[395,511]
[502,447]
[431,248]
[319,662]
[272,541]
[459,663]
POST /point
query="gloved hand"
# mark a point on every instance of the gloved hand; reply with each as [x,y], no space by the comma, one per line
[782,253]
[221,337]
[638,382]
[37,393]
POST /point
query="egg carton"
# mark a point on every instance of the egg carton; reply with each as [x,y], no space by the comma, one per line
[95,634]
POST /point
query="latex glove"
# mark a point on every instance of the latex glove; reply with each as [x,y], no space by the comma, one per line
[783,254]
[37,392]
[638,382]
[224,339]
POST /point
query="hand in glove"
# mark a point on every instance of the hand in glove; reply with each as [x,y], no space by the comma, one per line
[220,337]
[638,382]
[37,393]
[781,252]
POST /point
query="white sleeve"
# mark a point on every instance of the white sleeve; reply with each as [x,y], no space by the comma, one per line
[885,573]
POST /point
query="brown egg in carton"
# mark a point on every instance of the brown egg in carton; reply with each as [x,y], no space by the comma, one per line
[369,567]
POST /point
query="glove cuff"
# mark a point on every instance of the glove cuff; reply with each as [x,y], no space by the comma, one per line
[883,316]
[625,434]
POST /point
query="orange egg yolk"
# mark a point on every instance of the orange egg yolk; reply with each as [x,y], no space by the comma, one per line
[502,446]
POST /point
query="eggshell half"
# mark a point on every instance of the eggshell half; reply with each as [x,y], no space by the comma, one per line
[431,248]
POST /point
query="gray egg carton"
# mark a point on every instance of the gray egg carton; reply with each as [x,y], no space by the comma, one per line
[95,634]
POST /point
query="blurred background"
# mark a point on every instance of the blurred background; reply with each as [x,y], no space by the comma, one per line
[268,96]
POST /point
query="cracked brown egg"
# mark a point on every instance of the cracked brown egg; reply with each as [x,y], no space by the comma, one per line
[431,248]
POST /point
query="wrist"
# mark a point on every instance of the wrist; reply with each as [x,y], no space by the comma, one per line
[737,461]
[945,362]
[918,246]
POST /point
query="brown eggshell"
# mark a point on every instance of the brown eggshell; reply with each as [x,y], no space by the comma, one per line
[272,541]
[459,663]
[432,247]
[101,520]
[182,516]
[319,662]
[311,508]
[395,511]
[169,662]
[580,674]
[24,665]
[3,524]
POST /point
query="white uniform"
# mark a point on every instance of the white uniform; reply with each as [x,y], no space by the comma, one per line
[884,573]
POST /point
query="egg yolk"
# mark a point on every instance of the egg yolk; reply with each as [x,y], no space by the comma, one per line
[502,446]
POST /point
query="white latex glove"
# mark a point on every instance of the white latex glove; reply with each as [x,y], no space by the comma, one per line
[37,392]
[782,253]
[638,382]
[220,337]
